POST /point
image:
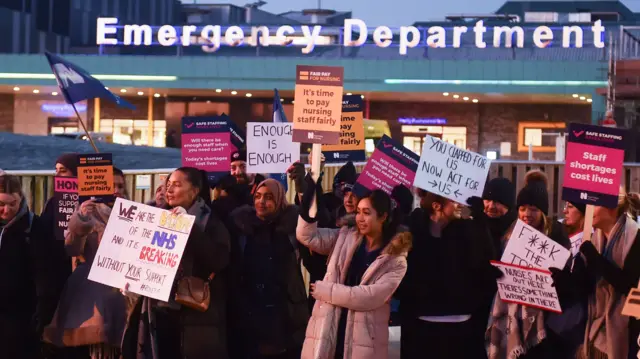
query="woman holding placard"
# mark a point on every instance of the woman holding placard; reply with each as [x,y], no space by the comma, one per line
[517,331]
[18,337]
[159,330]
[613,266]
[367,263]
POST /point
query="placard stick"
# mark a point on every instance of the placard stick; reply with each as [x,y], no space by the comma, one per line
[316,163]
[588,223]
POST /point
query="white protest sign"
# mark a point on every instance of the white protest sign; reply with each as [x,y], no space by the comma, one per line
[576,242]
[527,286]
[450,171]
[529,248]
[141,246]
[270,147]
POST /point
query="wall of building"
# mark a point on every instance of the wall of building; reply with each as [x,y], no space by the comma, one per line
[487,124]
[28,115]
[6,113]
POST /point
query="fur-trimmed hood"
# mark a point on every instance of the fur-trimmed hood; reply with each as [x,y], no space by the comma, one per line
[401,243]
[245,220]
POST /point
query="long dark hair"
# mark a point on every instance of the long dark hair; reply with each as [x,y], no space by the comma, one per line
[199,179]
[383,204]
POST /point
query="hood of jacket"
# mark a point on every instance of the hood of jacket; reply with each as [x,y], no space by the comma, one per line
[246,221]
[401,243]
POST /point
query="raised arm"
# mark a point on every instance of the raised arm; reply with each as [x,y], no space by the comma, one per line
[319,240]
[363,297]
[79,228]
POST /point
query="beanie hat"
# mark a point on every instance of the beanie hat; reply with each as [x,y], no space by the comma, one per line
[535,193]
[500,190]
[346,174]
[239,155]
[403,197]
[580,207]
[70,161]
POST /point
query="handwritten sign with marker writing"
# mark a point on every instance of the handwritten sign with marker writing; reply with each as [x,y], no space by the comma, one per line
[141,246]
[270,147]
[450,171]
[529,248]
[527,286]
[65,193]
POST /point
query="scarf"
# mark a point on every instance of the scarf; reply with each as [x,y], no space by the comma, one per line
[607,329]
[278,192]
[513,328]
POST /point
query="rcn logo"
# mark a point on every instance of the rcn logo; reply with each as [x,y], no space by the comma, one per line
[336,156]
[584,195]
[67,76]
[310,135]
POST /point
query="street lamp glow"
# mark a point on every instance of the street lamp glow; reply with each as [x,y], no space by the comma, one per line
[234,92]
[156,95]
[248,95]
[36,91]
[475,100]
[123,90]
[140,93]
[445,94]
[456,96]
[16,88]
[465,98]
[218,90]
[54,93]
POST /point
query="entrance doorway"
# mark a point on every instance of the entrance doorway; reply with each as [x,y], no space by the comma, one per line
[413,136]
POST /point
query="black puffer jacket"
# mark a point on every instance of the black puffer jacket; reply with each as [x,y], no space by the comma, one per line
[270,302]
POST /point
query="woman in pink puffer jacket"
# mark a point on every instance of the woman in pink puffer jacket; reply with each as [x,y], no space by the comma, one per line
[350,318]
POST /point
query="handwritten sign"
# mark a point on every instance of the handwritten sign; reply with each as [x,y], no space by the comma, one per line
[95,177]
[270,148]
[318,104]
[351,146]
[450,171]
[594,165]
[391,164]
[65,195]
[141,246]
[576,242]
[527,286]
[529,248]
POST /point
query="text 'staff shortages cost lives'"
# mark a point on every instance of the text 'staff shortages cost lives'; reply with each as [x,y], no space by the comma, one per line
[207,145]
[594,163]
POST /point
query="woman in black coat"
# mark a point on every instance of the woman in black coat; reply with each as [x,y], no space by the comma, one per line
[269,312]
[158,330]
[18,337]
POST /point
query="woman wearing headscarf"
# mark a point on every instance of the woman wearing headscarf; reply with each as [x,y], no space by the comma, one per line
[269,313]
[366,265]
[168,330]
[613,269]
[517,331]
[18,337]
[89,313]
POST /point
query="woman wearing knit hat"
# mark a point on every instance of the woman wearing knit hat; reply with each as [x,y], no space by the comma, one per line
[517,331]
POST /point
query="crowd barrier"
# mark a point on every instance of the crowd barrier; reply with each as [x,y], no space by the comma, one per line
[38,185]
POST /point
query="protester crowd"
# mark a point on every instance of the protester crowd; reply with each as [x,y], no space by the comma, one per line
[249,243]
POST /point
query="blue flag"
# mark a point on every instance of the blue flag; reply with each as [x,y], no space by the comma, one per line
[279,116]
[78,85]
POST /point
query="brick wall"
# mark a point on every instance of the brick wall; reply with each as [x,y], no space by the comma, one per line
[6,113]
[487,124]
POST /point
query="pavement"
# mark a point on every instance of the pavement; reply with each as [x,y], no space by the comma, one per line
[24,152]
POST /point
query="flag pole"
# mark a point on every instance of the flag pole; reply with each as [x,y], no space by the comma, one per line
[85,128]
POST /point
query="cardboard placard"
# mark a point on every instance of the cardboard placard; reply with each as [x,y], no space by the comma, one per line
[632,304]
[318,104]
[576,242]
[351,146]
[206,145]
[530,287]
[527,247]
[390,164]
[593,165]
[95,177]
[270,148]
[141,246]
[450,171]
[65,195]
[143,182]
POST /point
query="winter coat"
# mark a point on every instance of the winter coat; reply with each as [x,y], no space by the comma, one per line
[202,334]
[17,287]
[88,312]
[367,331]
[279,236]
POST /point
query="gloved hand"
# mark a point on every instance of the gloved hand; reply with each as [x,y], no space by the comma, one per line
[308,196]
[497,272]
[476,205]
[560,277]
[297,173]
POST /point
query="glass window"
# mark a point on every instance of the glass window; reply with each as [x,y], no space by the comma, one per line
[135,132]
[540,17]
[542,135]
[580,17]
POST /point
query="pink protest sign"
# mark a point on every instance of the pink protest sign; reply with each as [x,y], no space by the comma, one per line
[594,162]
[206,145]
[390,164]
